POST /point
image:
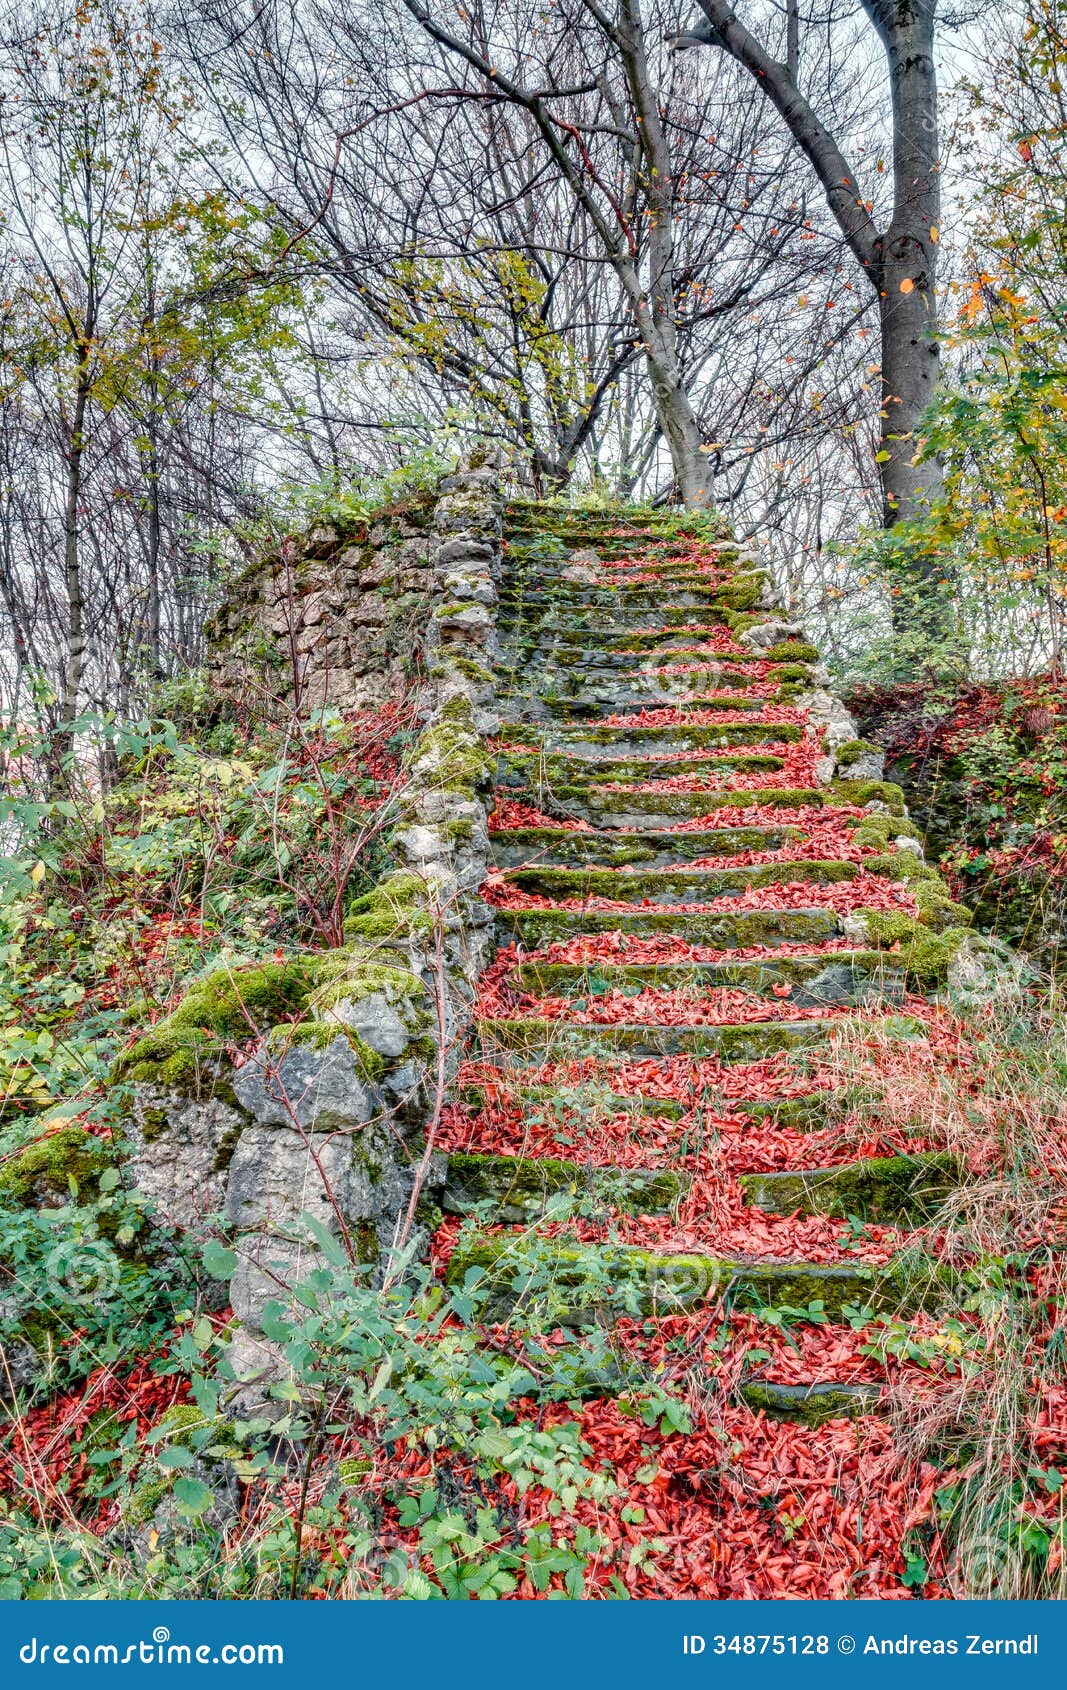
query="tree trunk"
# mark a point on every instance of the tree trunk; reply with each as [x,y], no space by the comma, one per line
[899,262]
[655,310]
[694,469]
[75,659]
[155,544]
[907,275]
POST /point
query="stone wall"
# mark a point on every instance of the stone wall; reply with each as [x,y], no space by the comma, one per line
[343,1054]
[333,616]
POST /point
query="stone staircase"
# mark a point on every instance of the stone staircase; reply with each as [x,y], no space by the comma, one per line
[702,885]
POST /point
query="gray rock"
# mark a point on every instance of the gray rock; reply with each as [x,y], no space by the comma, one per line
[322,1089]
[763,635]
[278,1175]
[472,621]
[465,551]
[180,1149]
[870,766]
[376,1021]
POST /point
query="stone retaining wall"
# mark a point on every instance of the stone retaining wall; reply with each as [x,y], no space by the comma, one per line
[344,1054]
[335,616]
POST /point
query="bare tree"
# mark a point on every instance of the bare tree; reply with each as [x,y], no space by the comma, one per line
[898,261]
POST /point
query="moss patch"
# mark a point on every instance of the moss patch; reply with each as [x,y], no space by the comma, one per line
[42,1173]
[230,1005]
[877,1188]
[394,909]
[853,749]
[861,792]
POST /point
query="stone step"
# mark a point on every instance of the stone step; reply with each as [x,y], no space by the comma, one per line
[521,1188]
[537,1040]
[572,696]
[807,1113]
[651,691]
[602,740]
[668,886]
[667,619]
[606,651]
[852,977]
[576,1285]
[724,929]
[886,1189]
[582,1100]
[632,810]
[581,601]
[567,848]
[813,1403]
[550,767]
[592,660]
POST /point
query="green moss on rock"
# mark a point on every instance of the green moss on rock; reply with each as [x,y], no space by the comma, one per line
[395,908]
[878,1188]
[43,1172]
[230,1005]
[861,792]
[793,651]
[853,749]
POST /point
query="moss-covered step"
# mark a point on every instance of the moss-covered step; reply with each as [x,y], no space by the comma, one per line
[840,977]
[586,599]
[520,1188]
[634,809]
[592,661]
[886,1189]
[551,768]
[724,929]
[678,885]
[564,847]
[597,740]
[574,1104]
[812,1404]
[579,1104]
[575,1284]
[538,1040]
[806,1113]
[656,608]
[572,695]
[630,650]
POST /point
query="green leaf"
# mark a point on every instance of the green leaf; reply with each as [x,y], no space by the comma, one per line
[192,1497]
[219,1262]
[175,1456]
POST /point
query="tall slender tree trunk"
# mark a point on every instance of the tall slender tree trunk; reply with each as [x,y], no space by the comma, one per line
[75,658]
[655,309]
[907,272]
[899,262]
[153,631]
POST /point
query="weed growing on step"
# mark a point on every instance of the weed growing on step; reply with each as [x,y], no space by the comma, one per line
[996,1426]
